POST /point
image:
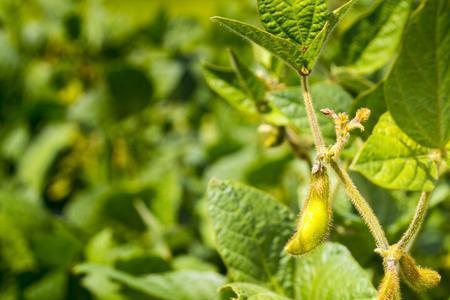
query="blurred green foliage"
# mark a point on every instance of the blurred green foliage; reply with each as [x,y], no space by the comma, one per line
[109,134]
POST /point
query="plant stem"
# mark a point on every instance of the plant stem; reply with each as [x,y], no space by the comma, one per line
[414,227]
[312,118]
[362,207]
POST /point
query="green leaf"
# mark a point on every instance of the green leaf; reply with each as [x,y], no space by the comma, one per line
[418,88]
[39,156]
[242,90]
[187,285]
[56,246]
[299,29]
[280,47]
[225,83]
[331,273]
[102,287]
[313,51]
[15,251]
[14,144]
[325,94]
[167,201]
[392,160]
[305,22]
[297,20]
[251,230]
[52,287]
[371,41]
[130,88]
[248,291]
[253,85]
[290,103]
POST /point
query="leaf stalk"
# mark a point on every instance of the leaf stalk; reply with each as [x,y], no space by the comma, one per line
[362,207]
[312,118]
[410,234]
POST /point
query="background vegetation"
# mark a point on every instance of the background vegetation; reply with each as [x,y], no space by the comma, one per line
[109,135]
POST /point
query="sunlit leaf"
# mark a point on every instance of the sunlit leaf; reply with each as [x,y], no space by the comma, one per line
[392,160]
[418,88]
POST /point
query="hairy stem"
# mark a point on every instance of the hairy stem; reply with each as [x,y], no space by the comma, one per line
[312,118]
[414,227]
[362,207]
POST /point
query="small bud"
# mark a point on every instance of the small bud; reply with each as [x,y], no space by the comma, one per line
[362,115]
[418,278]
[342,119]
[329,113]
[271,135]
[315,218]
[389,288]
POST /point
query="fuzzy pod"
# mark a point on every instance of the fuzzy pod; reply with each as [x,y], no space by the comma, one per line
[389,288]
[418,278]
[314,220]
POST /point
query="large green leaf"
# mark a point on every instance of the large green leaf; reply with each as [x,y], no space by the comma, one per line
[305,22]
[327,274]
[300,29]
[248,291]
[187,285]
[371,41]
[325,95]
[392,160]
[251,230]
[280,47]
[418,88]
[297,20]
[331,273]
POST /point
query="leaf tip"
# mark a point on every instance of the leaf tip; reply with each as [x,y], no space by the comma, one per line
[215,19]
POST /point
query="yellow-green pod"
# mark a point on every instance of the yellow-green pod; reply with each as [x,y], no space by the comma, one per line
[418,278]
[315,218]
[390,286]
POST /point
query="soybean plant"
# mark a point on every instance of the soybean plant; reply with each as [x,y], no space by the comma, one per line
[403,135]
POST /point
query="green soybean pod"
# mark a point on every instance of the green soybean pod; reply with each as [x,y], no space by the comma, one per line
[315,217]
